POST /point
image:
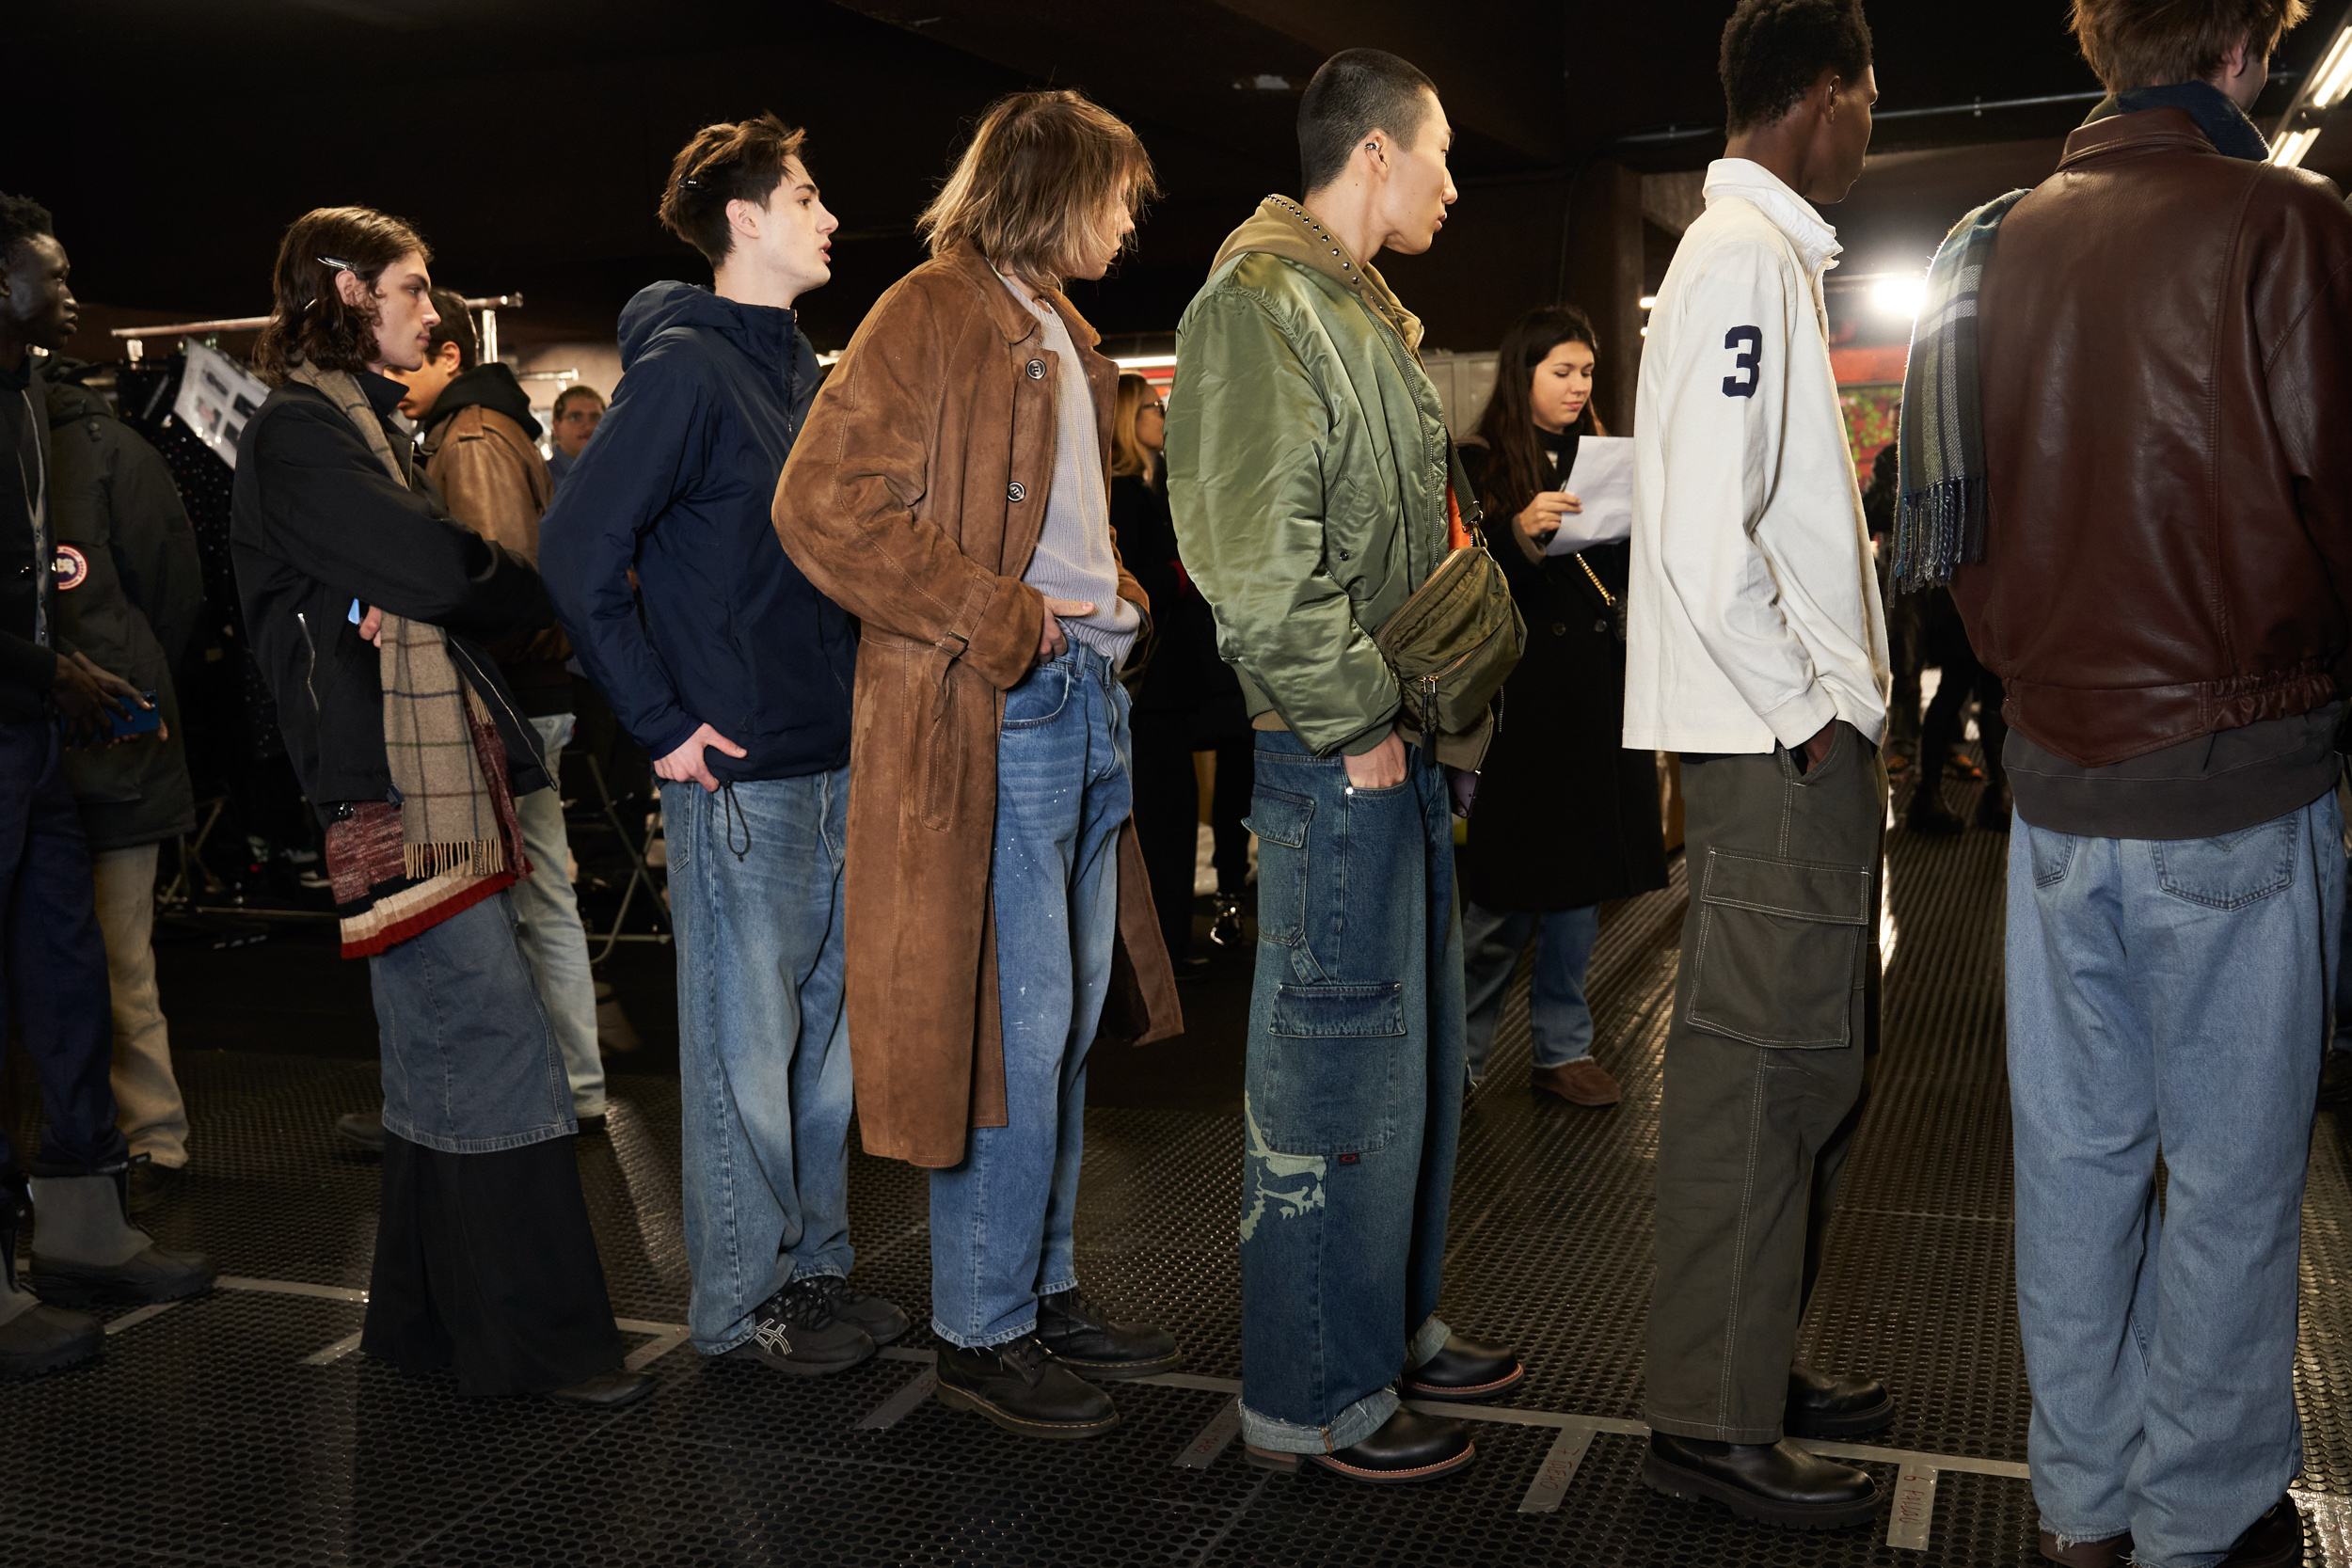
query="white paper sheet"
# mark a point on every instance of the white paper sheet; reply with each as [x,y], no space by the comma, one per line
[1602,479]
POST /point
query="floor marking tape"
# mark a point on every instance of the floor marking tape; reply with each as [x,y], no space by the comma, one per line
[1913,1513]
[132,1320]
[289,1288]
[333,1353]
[652,1350]
[893,1410]
[639,1325]
[1557,1470]
[1214,1438]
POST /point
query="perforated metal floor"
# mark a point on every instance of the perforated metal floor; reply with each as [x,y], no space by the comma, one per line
[232,1429]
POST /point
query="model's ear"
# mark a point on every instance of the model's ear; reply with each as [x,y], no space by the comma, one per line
[352,292]
[452,358]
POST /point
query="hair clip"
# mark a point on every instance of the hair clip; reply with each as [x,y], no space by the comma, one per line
[690,182]
[335,262]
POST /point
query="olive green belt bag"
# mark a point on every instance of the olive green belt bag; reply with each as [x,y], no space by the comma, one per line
[1455,641]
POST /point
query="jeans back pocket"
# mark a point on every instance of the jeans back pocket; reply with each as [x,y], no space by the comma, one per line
[1777,945]
[2229,870]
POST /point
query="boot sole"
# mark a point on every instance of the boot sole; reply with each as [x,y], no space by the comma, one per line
[1291,1463]
[1112,1371]
[956,1398]
[67,1290]
[1675,1482]
[1856,1423]
[71,1353]
[1470,1395]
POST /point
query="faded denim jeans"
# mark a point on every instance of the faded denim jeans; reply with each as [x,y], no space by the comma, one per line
[755,895]
[553,939]
[1002,1220]
[1557,1014]
[1353,1095]
[2171,994]
[469,1064]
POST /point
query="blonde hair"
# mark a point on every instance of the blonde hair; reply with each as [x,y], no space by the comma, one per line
[1129,455]
[1038,189]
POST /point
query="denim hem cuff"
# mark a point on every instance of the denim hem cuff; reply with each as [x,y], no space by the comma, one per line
[407,1132]
[743,1337]
[2066,1538]
[1581,1055]
[820,1272]
[1713,1432]
[966,1342]
[1427,1342]
[1070,1284]
[1350,1427]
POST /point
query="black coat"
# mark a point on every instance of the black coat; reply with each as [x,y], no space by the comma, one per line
[1186,675]
[1566,816]
[28,594]
[316,523]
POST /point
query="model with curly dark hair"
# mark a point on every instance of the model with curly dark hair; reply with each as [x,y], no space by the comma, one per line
[1774,51]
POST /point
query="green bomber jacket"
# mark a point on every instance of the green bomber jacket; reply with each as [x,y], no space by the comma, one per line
[1306,464]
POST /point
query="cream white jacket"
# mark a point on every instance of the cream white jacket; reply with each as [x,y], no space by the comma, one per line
[1754,612]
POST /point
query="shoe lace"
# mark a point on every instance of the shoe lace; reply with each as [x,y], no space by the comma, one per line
[802,1303]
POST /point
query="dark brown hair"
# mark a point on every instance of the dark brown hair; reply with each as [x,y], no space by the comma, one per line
[2155,43]
[1035,186]
[310,324]
[723,162]
[456,327]
[1515,461]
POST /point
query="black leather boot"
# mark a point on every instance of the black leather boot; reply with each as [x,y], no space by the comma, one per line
[2273,1540]
[1024,1388]
[1464,1371]
[1408,1447]
[1778,1484]
[1821,1405]
[1090,1345]
[35,1336]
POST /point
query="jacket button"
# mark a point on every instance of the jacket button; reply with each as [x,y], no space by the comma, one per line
[1015,492]
[1036,369]
[1559,628]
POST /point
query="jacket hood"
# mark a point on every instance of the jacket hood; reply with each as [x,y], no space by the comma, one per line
[765,333]
[1284,229]
[68,400]
[492,387]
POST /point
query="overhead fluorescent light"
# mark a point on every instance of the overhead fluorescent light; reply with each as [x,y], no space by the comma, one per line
[1143,361]
[1649,302]
[2322,91]
[2333,79]
[2289,150]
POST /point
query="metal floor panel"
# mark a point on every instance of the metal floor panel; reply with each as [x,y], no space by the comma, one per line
[201,1436]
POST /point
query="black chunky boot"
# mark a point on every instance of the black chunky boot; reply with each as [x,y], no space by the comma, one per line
[35,1336]
[1022,1388]
[1090,1345]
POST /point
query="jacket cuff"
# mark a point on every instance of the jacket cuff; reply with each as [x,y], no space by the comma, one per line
[1002,643]
[1795,722]
[662,742]
[1370,740]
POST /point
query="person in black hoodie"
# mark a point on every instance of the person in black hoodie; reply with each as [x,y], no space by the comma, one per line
[734,672]
[1565,817]
[54,979]
[365,601]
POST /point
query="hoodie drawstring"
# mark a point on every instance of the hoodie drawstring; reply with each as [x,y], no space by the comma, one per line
[731,811]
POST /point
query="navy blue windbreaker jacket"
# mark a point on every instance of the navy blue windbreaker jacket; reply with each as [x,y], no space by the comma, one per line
[677,484]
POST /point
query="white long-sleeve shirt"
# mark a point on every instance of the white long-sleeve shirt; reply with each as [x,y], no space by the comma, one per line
[1754,613]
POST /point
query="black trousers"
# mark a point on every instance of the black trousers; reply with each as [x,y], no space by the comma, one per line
[1963,678]
[54,987]
[1168,816]
[1229,809]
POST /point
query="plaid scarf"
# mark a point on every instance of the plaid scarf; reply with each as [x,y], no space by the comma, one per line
[1939,520]
[447,766]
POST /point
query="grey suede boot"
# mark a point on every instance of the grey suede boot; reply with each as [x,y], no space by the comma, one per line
[86,1248]
[36,1337]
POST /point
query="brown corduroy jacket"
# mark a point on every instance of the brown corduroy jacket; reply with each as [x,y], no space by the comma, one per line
[913,498]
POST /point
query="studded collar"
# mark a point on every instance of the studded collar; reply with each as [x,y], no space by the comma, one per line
[1281,227]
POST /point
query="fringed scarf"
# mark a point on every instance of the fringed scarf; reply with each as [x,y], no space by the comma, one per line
[1939,520]
[448,767]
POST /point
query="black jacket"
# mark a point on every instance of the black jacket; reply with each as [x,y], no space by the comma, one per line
[136,595]
[28,669]
[315,523]
[1566,816]
[679,486]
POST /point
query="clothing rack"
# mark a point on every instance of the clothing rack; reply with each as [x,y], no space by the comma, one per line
[135,345]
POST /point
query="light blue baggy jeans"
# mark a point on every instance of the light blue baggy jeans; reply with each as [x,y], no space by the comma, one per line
[553,938]
[2171,993]
[1557,1013]
[756,896]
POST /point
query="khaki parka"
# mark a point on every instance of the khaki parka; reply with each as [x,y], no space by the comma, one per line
[913,498]
[1307,466]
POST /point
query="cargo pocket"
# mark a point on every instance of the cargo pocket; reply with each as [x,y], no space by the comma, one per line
[1280,821]
[1777,943]
[2232,870]
[1335,1054]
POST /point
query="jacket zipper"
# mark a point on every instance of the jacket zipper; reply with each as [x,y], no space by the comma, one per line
[521,725]
[309,684]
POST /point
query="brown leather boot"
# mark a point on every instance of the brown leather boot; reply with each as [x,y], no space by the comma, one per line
[1582,1082]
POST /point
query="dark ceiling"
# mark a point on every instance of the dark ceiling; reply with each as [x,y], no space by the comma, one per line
[529,138]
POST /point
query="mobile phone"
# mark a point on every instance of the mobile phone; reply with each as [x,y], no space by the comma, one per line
[142,721]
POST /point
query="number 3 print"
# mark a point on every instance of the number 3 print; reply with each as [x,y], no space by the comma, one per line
[1749,362]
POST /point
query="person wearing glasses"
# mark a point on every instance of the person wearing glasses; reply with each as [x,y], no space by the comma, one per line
[571,422]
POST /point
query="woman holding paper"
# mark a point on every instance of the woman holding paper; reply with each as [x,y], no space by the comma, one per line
[1565,817]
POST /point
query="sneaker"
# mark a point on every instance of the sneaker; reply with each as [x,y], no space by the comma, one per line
[881,1321]
[1225,931]
[794,1331]
[149,1185]
[363,1129]
[1083,1339]
[1024,1387]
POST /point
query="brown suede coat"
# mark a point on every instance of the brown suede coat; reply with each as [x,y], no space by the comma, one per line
[913,497]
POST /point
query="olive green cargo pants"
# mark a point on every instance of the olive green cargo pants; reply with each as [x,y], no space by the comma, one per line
[1775,1015]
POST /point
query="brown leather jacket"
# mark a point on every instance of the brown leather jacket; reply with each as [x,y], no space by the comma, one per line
[493,480]
[913,498]
[2166,350]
